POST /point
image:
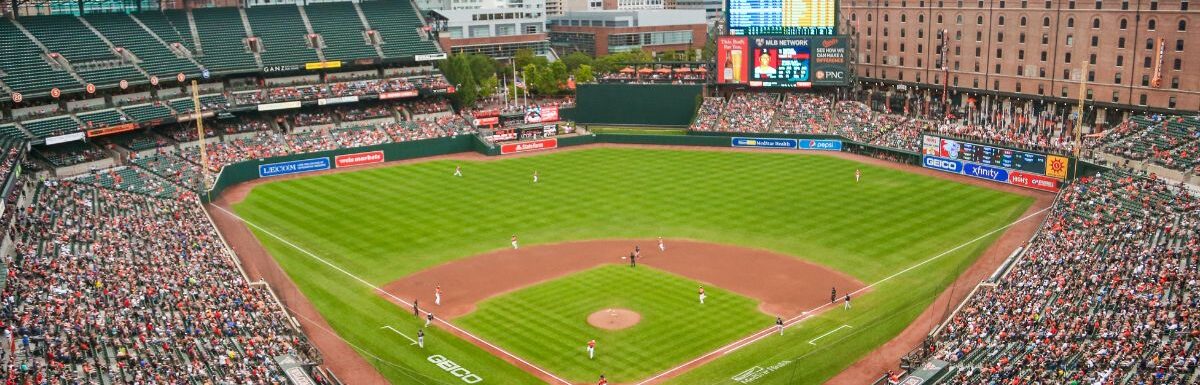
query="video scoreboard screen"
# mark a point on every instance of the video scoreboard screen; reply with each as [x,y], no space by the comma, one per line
[1030,162]
[783,61]
[781,17]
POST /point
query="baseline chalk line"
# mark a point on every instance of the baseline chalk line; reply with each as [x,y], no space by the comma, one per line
[814,340]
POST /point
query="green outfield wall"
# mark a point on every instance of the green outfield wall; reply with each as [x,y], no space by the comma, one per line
[636,104]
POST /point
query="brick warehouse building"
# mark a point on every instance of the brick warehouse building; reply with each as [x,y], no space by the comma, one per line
[1034,49]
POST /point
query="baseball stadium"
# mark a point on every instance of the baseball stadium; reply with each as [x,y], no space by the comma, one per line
[633,192]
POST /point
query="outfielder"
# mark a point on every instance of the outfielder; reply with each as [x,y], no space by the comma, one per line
[437,295]
[457,170]
[535,176]
[591,348]
[702,296]
[857,175]
[514,242]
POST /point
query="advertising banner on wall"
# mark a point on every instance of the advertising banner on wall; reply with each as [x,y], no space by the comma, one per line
[537,145]
[293,167]
[731,59]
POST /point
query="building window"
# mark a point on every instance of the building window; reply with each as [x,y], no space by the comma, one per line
[1183,26]
[1000,20]
[1099,4]
[1121,42]
[1021,54]
[1043,55]
[1023,21]
[999,55]
[1021,38]
[1117,78]
[1092,59]
[1124,24]
[1120,60]
[1096,23]
[1145,80]
[1070,22]
[979,20]
[1142,99]
[1146,63]
[1116,97]
[1171,103]
[1064,91]
[1175,83]
[1151,25]
[1095,41]
[1178,64]
[999,37]
[1179,45]
[1046,21]
[1149,43]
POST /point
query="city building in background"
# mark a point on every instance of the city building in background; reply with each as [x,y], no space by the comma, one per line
[1130,53]
[603,32]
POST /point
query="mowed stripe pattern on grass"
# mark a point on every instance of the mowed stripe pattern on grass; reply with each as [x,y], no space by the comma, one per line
[547,323]
[385,223]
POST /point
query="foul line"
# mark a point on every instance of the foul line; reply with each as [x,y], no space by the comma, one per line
[389,327]
[812,341]
[393,297]
[755,337]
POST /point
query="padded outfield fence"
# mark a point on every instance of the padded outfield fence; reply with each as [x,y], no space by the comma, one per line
[349,157]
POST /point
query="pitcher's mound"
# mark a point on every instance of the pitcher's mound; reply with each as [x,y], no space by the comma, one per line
[614,319]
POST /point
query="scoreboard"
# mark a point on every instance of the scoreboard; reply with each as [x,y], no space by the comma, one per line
[783,61]
[1021,168]
[781,17]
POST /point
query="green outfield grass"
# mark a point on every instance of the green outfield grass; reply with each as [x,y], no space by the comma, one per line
[385,223]
[547,323]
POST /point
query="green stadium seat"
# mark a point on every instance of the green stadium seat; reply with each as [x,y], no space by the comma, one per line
[147,112]
[52,126]
[10,131]
[341,29]
[24,69]
[397,23]
[101,118]
[282,33]
[171,26]
[221,39]
[156,58]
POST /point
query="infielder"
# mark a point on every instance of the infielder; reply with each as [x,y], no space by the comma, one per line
[662,247]
[437,295]
[428,318]
[421,338]
[779,324]
[416,308]
[632,259]
[833,295]
[514,242]
[702,296]
[847,301]
[457,170]
[591,348]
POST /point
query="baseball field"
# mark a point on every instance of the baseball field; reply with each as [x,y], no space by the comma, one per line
[766,234]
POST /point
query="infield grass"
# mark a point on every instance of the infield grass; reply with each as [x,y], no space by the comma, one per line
[385,223]
[547,323]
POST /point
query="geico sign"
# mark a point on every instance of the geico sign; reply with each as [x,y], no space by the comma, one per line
[454,369]
[942,164]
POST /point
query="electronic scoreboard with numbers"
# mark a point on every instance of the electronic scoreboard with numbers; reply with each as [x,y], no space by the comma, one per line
[782,17]
[989,156]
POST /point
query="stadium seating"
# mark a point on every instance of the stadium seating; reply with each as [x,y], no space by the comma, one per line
[397,24]
[164,301]
[156,59]
[101,118]
[52,126]
[71,153]
[171,26]
[25,69]
[93,60]
[10,131]
[1106,294]
[221,40]
[341,29]
[282,33]
[147,112]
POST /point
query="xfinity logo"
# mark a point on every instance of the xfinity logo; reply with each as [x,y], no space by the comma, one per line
[942,164]
[454,369]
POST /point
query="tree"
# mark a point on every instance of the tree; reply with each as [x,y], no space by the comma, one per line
[457,69]
[488,86]
[557,72]
[584,74]
[576,59]
[482,66]
[526,57]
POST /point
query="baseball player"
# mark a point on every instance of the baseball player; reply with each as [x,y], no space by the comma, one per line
[662,247]
[535,176]
[833,295]
[591,348]
[632,259]
[428,318]
[514,242]
[416,309]
[702,296]
[857,175]
[603,381]
[637,250]
[437,295]
[457,170]
[779,324]
[847,301]
[421,338]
